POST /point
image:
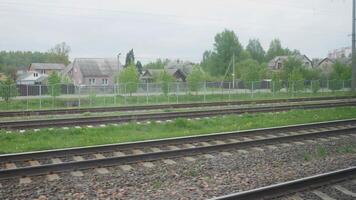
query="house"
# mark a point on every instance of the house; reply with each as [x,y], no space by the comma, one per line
[185,66]
[325,65]
[278,62]
[93,71]
[149,75]
[46,68]
[32,78]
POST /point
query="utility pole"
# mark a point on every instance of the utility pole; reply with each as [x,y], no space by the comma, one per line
[353,83]
[233,69]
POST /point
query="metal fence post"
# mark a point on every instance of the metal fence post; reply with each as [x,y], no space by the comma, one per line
[229,91]
[115,93]
[40,93]
[125,94]
[205,91]
[252,88]
[177,91]
[273,88]
[27,97]
[146,92]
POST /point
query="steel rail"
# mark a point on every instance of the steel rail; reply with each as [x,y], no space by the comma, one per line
[169,141]
[281,189]
[106,162]
[162,106]
[27,124]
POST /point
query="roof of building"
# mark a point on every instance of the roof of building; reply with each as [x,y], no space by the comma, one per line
[284,58]
[185,66]
[50,66]
[97,66]
[28,76]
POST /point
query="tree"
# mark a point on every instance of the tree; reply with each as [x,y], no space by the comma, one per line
[195,79]
[129,77]
[165,79]
[139,67]
[8,89]
[62,51]
[340,73]
[290,65]
[276,82]
[54,84]
[275,49]
[295,80]
[250,71]
[157,64]
[226,45]
[256,51]
[130,58]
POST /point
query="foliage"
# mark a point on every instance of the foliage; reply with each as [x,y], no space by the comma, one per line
[130,78]
[11,61]
[8,89]
[54,84]
[290,65]
[139,67]
[340,73]
[276,82]
[295,81]
[158,64]
[226,45]
[315,86]
[165,79]
[195,79]
[250,70]
[130,58]
[275,49]
[256,50]
[62,50]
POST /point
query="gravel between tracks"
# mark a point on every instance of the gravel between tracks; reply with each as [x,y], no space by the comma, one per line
[201,179]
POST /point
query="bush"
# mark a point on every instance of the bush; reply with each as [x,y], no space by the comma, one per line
[8,90]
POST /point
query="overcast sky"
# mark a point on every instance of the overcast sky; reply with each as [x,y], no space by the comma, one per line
[171,28]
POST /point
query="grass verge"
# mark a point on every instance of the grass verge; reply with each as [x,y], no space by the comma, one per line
[59,138]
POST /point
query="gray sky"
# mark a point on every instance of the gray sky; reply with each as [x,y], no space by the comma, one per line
[171,29]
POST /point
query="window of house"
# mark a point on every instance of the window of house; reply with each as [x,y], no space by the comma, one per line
[279,65]
[104,81]
[35,74]
[43,71]
[92,81]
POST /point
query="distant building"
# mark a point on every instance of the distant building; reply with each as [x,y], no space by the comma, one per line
[344,52]
[148,75]
[93,71]
[32,78]
[46,68]
[325,65]
[185,66]
[277,63]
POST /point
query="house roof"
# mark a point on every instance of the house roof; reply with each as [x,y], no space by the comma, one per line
[50,66]
[283,58]
[28,76]
[186,67]
[97,66]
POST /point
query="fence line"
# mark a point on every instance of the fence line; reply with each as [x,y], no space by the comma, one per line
[69,95]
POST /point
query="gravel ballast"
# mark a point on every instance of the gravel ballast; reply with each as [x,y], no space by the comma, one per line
[199,179]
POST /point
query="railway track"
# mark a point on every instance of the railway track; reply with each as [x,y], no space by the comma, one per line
[162,106]
[290,189]
[31,124]
[74,159]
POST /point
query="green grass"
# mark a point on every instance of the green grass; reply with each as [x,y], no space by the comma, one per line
[59,138]
[100,101]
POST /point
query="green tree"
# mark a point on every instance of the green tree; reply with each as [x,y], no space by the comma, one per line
[295,81]
[290,65]
[139,67]
[250,71]
[340,73]
[130,78]
[195,79]
[54,84]
[8,89]
[275,49]
[276,82]
[226,45]
[256,50]
[157,64]
[61,51]
[165,79]
[130,58]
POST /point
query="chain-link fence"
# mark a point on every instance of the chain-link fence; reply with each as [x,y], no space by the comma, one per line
[28,97]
